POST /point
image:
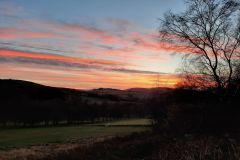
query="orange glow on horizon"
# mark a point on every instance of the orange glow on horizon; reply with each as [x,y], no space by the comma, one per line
[81,79]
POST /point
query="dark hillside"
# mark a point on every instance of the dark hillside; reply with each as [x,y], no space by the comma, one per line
[18,89]
[29,104]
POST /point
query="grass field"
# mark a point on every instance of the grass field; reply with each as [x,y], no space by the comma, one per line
[128,122]
[10,138]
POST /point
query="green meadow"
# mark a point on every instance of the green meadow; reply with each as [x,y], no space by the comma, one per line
[23,137]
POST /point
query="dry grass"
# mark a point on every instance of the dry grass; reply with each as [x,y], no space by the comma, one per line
[200,148]
[147,146]
[157,147]
[41,151]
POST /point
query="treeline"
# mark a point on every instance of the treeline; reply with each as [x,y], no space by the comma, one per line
[199,111]
[25,104]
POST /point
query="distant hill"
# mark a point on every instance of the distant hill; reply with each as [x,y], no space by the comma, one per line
[132,93]
[18,89]
[160,90]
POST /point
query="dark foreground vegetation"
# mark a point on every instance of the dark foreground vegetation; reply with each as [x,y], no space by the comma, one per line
[152,146]
[196,111]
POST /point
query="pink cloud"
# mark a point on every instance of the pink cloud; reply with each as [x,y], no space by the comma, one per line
[135,42]
[13,34]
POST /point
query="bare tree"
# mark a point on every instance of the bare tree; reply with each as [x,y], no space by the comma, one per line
[210,32]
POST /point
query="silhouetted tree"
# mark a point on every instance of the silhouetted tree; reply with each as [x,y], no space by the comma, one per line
[210,31]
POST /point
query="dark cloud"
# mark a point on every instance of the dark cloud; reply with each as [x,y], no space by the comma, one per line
[91,65]
[24,60]
[110,48]
[135,71]
[106,47]
[122,25]
[29,48]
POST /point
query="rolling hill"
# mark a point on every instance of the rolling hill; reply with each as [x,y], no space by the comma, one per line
[17,89]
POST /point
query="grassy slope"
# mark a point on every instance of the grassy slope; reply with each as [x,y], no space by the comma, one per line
[128,122]
[36,136]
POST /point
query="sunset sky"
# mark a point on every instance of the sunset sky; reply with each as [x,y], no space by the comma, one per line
[87,44]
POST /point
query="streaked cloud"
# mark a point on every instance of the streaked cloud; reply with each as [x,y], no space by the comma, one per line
[14,56]
[14,34]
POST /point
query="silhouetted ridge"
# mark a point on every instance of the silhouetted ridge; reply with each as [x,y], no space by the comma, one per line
[18,89]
